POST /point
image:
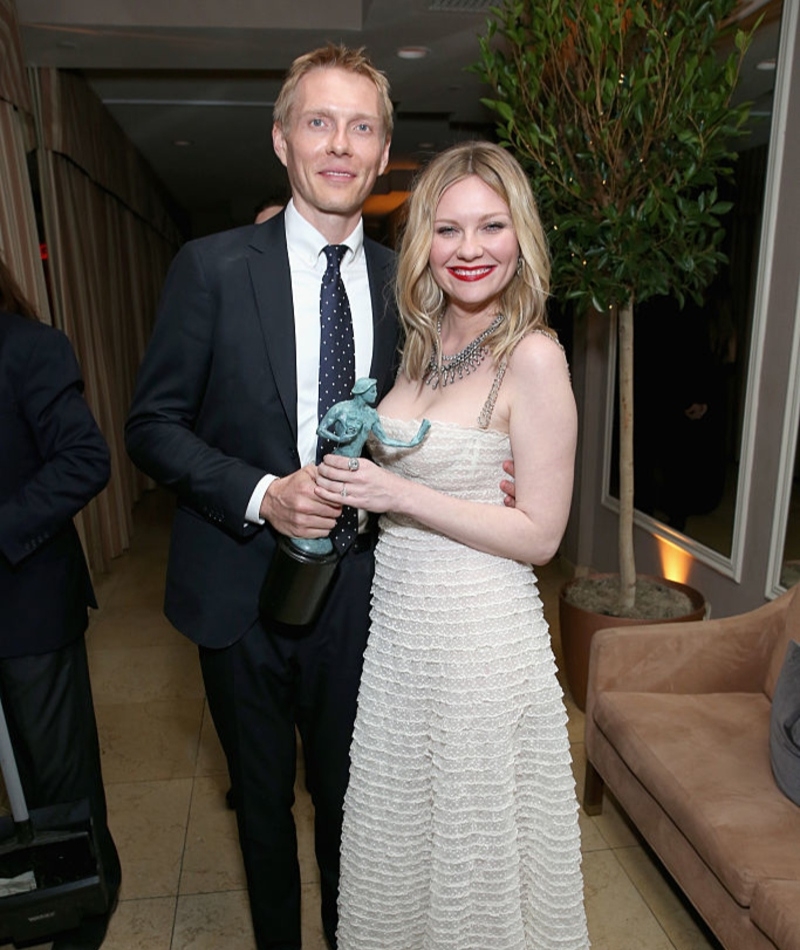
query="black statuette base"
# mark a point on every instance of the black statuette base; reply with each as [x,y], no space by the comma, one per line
[296,586]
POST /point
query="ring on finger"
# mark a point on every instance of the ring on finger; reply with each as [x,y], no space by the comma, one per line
[353,465]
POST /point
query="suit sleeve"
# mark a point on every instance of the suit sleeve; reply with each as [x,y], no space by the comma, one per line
[74,458]
[161,432]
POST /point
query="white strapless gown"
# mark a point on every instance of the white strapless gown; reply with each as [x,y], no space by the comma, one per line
[460,826]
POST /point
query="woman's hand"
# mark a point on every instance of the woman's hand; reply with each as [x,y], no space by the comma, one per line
[358,482]
[508,486]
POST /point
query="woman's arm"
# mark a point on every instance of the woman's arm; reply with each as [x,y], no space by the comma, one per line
[542,429]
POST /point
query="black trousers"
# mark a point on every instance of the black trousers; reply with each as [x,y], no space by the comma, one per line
[47,700]
[258,690]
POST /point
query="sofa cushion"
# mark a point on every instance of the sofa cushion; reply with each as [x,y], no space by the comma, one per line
[776,912]
[705,759]
[784,731]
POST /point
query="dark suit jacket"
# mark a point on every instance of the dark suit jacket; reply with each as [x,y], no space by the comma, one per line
[215,409]
[53,460]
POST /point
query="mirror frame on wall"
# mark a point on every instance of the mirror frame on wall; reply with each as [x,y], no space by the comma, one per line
[791,417]
[732,565]
[729,566]
[787,465]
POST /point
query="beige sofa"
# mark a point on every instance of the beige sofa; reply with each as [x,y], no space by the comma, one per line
[677,727]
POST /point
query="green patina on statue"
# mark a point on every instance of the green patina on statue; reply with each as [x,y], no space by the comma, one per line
[348,424]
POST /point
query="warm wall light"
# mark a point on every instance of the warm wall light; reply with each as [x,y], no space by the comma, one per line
[413,52]
[675,562]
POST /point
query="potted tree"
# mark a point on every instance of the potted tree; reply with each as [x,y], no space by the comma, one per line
[620,111]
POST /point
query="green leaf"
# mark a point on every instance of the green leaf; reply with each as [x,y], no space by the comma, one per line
[625,145]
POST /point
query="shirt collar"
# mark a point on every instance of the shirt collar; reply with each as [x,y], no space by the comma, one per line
[306,241]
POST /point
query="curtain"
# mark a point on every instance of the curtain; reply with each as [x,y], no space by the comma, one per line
[110,238]
[13,85]
[109,234]
[19,240]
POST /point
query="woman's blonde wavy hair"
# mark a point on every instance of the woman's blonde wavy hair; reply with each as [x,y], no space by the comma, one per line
[421,301]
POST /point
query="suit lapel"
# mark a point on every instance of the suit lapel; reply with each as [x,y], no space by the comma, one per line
[380,270]
[268,262]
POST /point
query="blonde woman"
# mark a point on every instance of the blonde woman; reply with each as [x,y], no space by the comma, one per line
[461,825]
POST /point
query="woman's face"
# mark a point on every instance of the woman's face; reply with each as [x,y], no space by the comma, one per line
[474,250]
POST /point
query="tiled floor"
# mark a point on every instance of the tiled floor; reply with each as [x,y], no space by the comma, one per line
[183,884]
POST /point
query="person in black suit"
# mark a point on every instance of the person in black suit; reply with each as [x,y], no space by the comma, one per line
[54,461]
[225,414]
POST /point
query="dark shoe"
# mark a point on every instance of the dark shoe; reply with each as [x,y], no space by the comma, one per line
[88,935]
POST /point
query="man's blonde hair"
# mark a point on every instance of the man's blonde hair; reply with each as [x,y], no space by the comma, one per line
[332,56]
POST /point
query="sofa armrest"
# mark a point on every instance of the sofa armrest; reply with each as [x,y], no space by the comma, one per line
[728,654]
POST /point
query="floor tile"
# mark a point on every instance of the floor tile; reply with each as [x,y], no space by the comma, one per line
[591,839]
[148,821]
[617,916]
[680,921]
[152,741]
[614,825]
[142,925]
[212,860]
[143,585]
[210,757]
[311,921]
[132,625]
[213,922]
[145,674]
[304,823]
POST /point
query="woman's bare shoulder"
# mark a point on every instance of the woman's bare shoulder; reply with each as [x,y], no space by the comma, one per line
[539,351]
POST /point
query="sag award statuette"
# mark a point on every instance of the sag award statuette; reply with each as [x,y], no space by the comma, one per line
[302,569]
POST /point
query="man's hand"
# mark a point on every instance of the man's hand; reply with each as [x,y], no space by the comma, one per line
[292,508]
[507,485]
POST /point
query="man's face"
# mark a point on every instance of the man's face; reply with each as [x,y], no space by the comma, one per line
[334,148]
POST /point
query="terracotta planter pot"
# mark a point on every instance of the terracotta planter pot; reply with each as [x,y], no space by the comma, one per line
[578,626]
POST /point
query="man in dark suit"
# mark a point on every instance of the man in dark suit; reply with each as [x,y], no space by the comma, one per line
[53,461]
[225,413]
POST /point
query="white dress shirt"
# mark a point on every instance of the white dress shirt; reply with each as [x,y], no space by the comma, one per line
[307,264]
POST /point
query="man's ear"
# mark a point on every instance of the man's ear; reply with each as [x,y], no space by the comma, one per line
[279,142]
[385,157]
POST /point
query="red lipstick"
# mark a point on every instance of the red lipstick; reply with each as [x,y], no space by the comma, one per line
[470,274]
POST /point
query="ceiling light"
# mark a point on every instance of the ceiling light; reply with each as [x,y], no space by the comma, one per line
[182,143]
[462,6]
[767,65]
[413,52]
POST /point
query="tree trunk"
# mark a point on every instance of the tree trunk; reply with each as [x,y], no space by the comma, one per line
[627,564]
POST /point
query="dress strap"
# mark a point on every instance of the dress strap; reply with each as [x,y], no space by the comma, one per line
[485,416]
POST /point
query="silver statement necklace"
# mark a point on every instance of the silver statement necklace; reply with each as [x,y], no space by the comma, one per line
[450,368]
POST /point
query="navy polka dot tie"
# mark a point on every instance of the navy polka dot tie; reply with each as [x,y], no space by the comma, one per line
[337,368]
